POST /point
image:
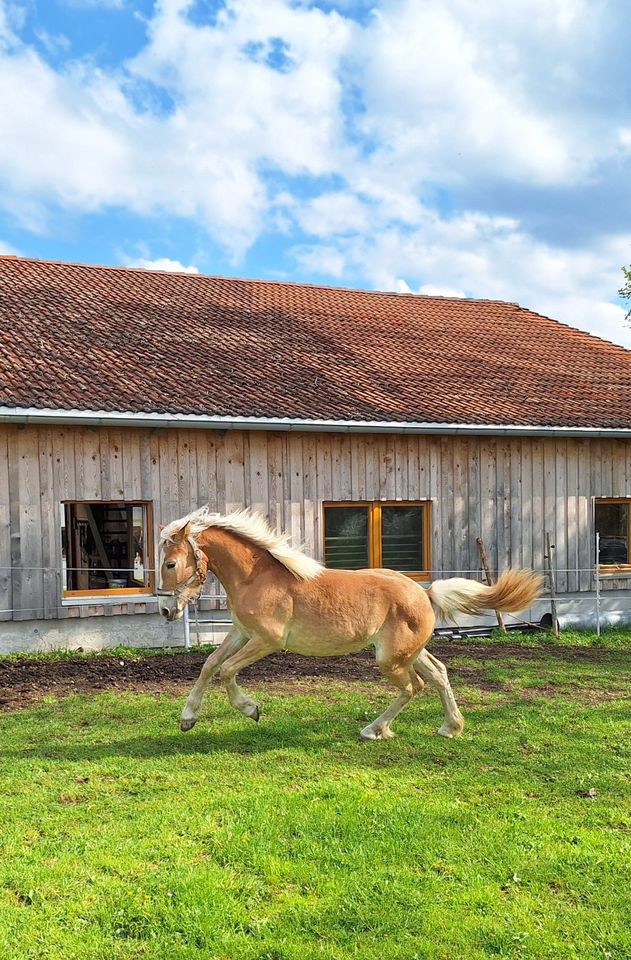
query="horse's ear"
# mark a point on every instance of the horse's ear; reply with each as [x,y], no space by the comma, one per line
[162,526]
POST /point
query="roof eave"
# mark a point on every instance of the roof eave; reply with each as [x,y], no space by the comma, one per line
[104,418]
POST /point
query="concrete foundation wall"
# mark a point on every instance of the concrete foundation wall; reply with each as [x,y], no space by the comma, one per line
[146,630]
[97,633]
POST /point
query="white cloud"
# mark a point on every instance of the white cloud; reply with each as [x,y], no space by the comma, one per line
[283,117]
[429,290]
[90,4]
[162,263]
[455,90]
[76,138]
[334,213]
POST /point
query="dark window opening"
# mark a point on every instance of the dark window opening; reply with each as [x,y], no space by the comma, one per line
[346,544]
[392,535]
[106,547]
[613,523]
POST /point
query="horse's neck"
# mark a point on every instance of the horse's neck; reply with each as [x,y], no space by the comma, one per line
[230,558]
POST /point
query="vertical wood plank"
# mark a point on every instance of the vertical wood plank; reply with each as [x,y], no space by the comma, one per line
[6,584]
[488,502]
[473,507]
[258,486]
[131,464]
[411,472]
[311,527]
[50,509]
[148,451]
[619,468]
[387,466]
[296,488]
[92,476]
[423,467]
[538,517]
[167,489]
[503,504]
[358,467]
[202,441]
[460,508]
[549,491]
[584,532]
[447,493]
[514,501]
[337,484]
[66,463]
[524,508]
[186,503]
[372,467]
[572,509]
[435,494]
[26,542]
[561,511]
[235,470]
[606,468]
[401,464]
[275,467]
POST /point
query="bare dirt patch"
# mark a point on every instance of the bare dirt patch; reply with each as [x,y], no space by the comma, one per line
[24,680]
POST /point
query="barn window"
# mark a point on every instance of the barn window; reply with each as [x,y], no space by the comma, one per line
[613,523]
[106,548]
[394,535]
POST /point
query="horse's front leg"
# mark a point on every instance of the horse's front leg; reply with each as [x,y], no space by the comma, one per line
[255,649]
[231,644]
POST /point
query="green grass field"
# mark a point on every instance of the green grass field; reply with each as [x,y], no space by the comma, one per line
[290,840]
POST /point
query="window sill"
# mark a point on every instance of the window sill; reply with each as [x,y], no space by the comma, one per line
[614,570]
[104,599]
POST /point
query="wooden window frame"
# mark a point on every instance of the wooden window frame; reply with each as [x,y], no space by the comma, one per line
[375,557]
[613,568]
[120,591]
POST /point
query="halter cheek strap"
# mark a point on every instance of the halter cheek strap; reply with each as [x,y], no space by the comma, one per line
[201,562]
[198,578]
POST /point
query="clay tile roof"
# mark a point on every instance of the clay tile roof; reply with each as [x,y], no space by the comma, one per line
[83,337]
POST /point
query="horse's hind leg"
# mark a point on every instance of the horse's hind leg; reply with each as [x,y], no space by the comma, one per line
[435,673]
[403,677]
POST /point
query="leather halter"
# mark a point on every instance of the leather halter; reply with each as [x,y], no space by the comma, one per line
[198,578]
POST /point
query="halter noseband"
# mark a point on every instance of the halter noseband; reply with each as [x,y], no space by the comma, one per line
[198,578]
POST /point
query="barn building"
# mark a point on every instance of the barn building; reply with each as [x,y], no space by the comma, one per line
[375,428]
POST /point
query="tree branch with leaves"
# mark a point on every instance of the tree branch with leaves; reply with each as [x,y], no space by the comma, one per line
[625,289]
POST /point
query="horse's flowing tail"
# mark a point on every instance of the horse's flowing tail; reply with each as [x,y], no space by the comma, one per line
[515,590]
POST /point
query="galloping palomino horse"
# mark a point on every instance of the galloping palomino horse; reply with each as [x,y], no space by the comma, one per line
[281,599]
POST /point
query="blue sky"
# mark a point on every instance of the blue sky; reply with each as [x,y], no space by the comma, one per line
[435,146]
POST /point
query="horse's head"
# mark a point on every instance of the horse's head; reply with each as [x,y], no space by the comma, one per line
[183,570]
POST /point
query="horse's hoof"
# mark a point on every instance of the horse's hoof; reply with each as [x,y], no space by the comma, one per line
[187,724]
[450,731]
[370,733]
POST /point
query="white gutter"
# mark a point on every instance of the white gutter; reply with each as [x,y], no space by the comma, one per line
[105,418]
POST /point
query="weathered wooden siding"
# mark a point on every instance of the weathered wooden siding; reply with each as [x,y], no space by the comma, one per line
[509,491]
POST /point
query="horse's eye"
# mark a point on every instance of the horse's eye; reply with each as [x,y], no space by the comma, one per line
[170,564]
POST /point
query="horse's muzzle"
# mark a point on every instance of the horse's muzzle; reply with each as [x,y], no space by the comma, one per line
[170,608]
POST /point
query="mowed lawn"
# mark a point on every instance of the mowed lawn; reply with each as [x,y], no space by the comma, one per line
[290,840]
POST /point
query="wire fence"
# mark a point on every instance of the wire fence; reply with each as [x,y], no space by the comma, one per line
[214,600]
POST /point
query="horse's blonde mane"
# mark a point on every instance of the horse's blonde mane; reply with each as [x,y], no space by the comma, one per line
[253,527]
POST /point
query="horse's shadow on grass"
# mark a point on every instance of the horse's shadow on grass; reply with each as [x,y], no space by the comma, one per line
[415,742]
[300,736]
